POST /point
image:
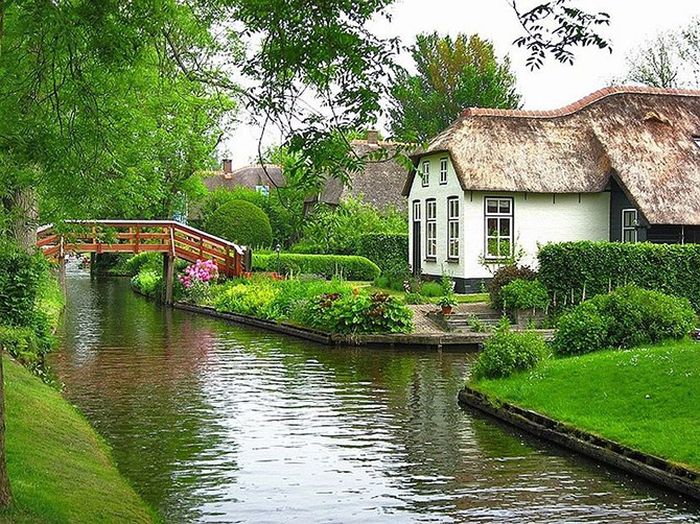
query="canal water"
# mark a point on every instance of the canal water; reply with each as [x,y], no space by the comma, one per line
[213,422]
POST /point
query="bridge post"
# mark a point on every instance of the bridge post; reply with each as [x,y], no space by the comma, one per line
[169,275]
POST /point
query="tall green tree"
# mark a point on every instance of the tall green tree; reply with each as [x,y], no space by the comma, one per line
[452,74]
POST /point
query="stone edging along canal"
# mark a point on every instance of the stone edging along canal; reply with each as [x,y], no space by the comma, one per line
[647,466]
[470,341]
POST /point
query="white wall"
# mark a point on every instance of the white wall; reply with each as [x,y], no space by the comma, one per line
[440,192]
[538,218]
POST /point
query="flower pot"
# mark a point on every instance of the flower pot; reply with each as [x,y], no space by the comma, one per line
[446,310]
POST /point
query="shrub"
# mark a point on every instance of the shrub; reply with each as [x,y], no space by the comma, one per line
[152,261]
[148,282]
[503,276]
[582,330]
[627,317]
[328,266]
[431,289]
[241,222]
[27,345]
[21,274]
[388,251]
[360,313]
[507,352]
[524,294]
[573,271]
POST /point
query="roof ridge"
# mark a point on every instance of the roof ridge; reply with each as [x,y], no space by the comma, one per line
[579,104]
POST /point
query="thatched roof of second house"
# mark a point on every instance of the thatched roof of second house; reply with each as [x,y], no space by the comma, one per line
[379,183]
[647,139]
[251,176]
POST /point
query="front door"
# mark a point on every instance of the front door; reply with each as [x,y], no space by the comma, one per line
[416,258]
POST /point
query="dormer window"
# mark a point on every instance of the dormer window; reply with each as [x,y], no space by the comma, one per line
[696,139]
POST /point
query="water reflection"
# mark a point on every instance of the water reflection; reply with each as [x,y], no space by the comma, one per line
[217,423]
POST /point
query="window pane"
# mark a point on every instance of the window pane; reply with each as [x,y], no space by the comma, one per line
[504,247]
[504,227]
[629,235]
[430,210]
[504,207]
[492,226]
[629,218]
[492,206]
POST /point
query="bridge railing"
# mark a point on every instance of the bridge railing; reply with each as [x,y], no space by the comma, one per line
[140,236]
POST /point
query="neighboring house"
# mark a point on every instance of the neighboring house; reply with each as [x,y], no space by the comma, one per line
[622,164]
[380,183]
[259,177]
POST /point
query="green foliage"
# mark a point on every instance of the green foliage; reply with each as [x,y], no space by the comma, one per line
[452,75]
[431,289]
[270,299]
[241,222]
[151,261]
[26,345]
[20,277]
[627,317]
[525,294]
[504,276]
[388,250]
[339,230]
[507,352]
[361,314]
[573,271]
[326,266]
[148,282]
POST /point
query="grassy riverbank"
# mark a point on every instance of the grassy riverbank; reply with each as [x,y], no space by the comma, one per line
[647,398]
[60,469]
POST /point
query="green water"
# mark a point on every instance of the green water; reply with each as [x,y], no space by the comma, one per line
[213,422]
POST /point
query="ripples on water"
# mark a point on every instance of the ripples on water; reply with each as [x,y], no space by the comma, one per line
[217,423]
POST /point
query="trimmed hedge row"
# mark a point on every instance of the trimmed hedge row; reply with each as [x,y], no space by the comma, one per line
[574,271]
[388,251]
[327,266]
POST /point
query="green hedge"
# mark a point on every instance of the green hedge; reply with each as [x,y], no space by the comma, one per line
[327,266]
[388,251]
[20,277]
[241,222]
[573,271]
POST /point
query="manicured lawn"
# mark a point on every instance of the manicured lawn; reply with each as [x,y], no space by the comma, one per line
[646,398]
[60,469]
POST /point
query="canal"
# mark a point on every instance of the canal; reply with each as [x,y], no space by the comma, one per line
[212,422]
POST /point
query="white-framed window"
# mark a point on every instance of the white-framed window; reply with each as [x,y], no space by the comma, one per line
[629,225]
[443,171]
[430,229]
[416,210]
[425,176]
[452,228]
[498,218]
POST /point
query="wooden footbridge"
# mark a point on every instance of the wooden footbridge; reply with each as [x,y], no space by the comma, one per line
[172,239]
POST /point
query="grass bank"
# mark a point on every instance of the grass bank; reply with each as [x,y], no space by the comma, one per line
[646,398]
[60,469]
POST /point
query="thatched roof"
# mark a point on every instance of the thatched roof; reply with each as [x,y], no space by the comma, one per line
[380,183]
[248,176]
[641,136]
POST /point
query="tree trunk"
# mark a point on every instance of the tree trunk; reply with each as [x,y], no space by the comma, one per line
[25,222]
[5,493]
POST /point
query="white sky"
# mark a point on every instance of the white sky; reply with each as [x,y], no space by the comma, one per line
[632,23]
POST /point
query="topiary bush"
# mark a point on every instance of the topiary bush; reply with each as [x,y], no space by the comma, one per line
[524,294]
[241,222]
[574,271]
[507,352]
[504,276]
[627,317]
[327,266]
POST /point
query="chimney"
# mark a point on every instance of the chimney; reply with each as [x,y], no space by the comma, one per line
[372,136]
[227,165]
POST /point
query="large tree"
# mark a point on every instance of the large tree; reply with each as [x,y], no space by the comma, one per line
[451,74]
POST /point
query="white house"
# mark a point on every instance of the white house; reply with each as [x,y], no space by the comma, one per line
[622,164]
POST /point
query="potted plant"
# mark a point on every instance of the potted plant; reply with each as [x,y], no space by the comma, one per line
[446,303]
